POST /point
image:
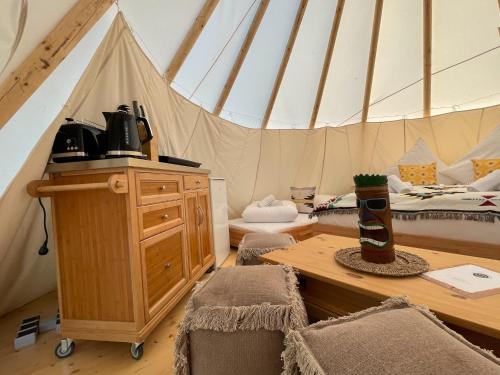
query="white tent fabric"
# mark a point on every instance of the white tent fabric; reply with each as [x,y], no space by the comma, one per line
[255,162]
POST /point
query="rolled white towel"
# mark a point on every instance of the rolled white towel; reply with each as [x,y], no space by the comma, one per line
[490,182]
[276,203]
[267,201]
[398,186]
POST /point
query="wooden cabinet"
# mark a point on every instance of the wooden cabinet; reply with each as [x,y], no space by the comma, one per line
[205,226]
[132,237]
[165,268]
[199,222]
[194,244]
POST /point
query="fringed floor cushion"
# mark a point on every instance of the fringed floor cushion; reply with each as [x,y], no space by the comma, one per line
[395,338]
[236,322]
[255,244]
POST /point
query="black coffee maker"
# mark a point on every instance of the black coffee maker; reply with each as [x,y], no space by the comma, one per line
[122,131]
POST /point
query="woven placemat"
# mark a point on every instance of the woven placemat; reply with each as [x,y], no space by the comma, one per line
[406,264]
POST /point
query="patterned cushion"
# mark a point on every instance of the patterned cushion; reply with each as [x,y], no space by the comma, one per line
[419,174]
[303,198]
[484,166]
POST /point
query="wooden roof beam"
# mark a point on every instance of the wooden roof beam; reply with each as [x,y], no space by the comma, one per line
[42,61]
[377,17]
[241,56]
[326,62]
[190,39]
[427,56]
[284,61]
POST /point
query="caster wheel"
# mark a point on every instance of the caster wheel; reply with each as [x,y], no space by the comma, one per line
[63,351]
[136,351]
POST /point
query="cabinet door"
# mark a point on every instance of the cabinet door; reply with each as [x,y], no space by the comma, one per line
[205,226]
[192,218]
[164,267]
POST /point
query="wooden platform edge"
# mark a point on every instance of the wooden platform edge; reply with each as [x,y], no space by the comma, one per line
[471,248]
[300,233]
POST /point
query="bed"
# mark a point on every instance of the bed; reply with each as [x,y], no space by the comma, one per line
[446,218]
[301,229]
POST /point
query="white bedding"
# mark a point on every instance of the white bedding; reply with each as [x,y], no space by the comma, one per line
[482,232]
[302,219]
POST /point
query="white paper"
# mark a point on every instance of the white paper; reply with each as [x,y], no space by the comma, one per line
[469,278]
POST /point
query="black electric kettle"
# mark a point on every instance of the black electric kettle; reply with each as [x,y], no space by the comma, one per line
[122,132]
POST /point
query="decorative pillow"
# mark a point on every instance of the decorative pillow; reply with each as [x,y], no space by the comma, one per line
[484,167]
[420,153]
[395,338]
[462,170]
[419,174]
[303,198]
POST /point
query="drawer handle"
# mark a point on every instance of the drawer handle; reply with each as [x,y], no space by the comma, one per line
[165,217]
[163,188]
[167,265]
[198,182]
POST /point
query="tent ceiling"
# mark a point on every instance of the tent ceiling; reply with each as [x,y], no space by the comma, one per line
[465,55]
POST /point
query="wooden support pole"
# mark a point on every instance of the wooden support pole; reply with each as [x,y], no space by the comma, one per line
[241,56]
[326,62]
[377,17]
[427,56]
[284,61]
[42,61]
[190,39]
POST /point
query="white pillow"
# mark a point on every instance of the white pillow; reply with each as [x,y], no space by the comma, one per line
[490,182]
[462,170]
[421,154]
[278,214]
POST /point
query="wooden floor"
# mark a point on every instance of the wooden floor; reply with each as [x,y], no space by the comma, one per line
[90,357]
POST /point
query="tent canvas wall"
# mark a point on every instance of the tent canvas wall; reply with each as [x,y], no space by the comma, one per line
[255,162]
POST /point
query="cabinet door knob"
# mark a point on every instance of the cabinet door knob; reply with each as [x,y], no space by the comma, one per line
[167,265]
[163,188]
[198,182]
[165,216]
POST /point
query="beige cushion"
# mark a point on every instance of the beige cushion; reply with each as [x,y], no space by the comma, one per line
[396,338]
[235,323]
[253,245]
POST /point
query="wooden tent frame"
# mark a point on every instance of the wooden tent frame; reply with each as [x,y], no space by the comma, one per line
[42,61]
[326,62]
[189,41]
[47,56]
[428,56]
[284,61]
[247,43]
[377,17]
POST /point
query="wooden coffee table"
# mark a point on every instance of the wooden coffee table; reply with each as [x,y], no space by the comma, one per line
[330,289]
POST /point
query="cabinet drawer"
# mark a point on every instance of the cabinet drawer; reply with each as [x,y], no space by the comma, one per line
[159,217]
[164,268]
[155,188]
[195,182]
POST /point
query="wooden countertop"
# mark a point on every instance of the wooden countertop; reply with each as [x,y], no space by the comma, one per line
[121,163]
[314,258]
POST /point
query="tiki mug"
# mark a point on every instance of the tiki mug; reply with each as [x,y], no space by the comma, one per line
[375,220]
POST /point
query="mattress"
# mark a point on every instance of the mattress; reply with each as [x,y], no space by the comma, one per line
[462,230]
[301,220]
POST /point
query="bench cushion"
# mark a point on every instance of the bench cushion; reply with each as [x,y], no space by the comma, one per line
[396,338]
[238,315]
